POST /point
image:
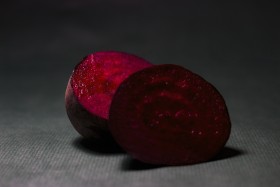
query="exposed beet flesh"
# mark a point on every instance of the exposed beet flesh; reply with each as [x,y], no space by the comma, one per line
[88,125]
[168,115]
[92,86]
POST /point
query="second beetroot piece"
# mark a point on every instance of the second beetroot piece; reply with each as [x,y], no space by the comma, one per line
[167,115]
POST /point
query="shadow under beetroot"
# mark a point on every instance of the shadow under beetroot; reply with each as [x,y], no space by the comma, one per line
[227,153]
[130,164]
[108,147]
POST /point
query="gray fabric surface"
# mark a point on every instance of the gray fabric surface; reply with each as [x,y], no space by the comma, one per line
[234,45]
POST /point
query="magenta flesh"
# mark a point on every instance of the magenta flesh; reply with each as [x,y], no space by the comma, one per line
[91,88]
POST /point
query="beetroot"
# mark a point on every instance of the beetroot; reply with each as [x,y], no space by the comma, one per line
[167,115]
[91,87]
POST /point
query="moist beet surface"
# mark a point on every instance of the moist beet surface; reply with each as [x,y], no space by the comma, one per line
[95,80]
[91,87]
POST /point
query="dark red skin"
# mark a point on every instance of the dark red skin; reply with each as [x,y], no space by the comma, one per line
[91,87]
[167,115]
[88,125]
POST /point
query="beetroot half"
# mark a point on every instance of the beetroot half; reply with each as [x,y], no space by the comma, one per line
[167,115]
[91,87]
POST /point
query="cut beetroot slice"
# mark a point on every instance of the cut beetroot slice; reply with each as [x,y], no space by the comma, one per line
[167,115]
[91,88]
[88,125]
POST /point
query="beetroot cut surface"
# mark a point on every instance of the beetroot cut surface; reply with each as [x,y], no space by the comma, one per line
[91,88]
[167,115]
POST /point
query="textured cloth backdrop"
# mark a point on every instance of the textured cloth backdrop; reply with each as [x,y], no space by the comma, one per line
[234,45]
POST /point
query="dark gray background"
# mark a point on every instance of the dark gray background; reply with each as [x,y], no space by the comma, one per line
[233,44]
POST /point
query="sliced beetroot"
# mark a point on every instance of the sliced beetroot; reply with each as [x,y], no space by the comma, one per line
[91,87]
[88,125]
[167,115]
